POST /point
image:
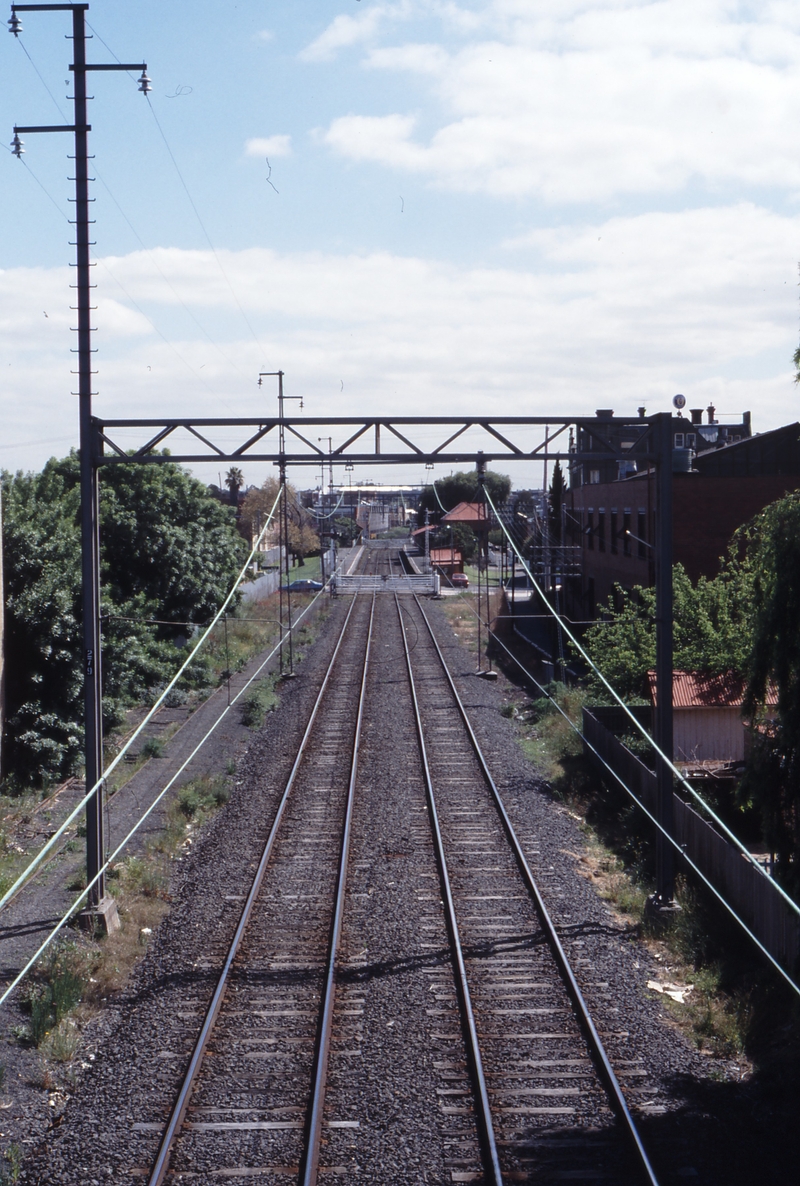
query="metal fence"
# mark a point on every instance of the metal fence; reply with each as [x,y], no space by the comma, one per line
[754,897]
[386,584]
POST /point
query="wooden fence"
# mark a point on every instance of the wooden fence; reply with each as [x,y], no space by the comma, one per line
[753,896]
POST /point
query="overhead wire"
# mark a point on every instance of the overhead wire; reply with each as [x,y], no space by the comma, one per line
[329,514]
[734,839]
[103,263]
[227,279]
[678,847]
[113,856]
[29,871]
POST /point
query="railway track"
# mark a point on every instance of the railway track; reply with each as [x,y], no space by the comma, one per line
[538,1068]
[396,1004]
[265,1038]
[386,1000]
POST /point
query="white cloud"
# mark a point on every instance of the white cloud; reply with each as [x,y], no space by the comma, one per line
[265,35]
[345,31]
[584,102]
[269,146]
[614,314]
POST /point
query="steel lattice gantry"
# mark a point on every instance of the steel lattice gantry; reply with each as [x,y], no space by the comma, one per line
[403,440]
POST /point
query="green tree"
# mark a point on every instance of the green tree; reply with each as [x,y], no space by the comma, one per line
[168,551]
[464,539]
[347,531]
[555,501]
[234,480]
[712,630]
[463,487]
[771,545]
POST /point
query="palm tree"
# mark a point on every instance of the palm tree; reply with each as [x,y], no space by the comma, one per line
[234,480]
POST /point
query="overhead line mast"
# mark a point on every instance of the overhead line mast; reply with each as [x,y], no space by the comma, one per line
[99,905]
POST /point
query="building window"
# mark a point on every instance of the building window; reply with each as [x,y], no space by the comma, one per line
[590,529]
[614,531]
[626,531]
[678,440]
[601,530]
[691,440]
[641,531]
[594,477]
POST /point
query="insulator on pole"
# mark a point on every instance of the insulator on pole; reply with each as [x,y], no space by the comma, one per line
[15,24]
[145,86]
[17,145]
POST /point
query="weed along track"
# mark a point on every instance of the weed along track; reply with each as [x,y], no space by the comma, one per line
[361,980]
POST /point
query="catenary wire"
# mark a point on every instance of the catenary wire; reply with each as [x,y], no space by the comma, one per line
[679,849]
[34,864]
[639,726]
[110,859]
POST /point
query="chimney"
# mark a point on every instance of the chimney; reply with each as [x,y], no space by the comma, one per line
[641,412]
[605,413]
[746,423]
[697,415]
[711,410]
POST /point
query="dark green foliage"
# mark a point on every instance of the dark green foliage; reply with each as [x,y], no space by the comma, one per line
[347,531]
[772,782]
[712,624]
[464,539]
[51,1001]
[260,700]
[200,796]
[463,487]
[169,551]
[555,500]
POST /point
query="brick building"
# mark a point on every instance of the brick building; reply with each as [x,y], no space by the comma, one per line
[613,522]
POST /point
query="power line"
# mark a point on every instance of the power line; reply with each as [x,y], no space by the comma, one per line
[678,848]
[638,725]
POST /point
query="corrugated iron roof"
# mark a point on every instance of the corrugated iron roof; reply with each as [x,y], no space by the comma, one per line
[695,689]
[467,512]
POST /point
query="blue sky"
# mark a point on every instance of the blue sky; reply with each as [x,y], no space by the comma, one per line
[497,205]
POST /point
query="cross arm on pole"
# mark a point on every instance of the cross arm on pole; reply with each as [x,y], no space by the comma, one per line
[49,7]
[115,66]
[53,128]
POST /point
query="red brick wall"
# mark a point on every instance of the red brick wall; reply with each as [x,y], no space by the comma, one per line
[706,511]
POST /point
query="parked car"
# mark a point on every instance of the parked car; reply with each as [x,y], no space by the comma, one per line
[304,586]
[459,580]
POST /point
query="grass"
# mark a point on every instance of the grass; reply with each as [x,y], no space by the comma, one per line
[258,701]
[700,947]
[10,1172]
[77,976]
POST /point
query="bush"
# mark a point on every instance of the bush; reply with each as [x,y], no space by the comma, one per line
[260,700]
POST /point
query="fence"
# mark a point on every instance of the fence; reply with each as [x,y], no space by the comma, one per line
[386,584]
[752,895]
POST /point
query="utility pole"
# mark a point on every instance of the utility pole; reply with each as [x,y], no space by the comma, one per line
[284,596]
[665,856]
[99,905]
[2,633]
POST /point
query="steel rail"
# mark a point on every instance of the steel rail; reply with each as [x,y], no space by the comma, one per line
[491,1160]
[309,1165]
[160,1168]
[595,1043]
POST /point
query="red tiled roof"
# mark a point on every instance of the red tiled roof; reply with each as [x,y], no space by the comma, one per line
[467,512]
[693,689]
